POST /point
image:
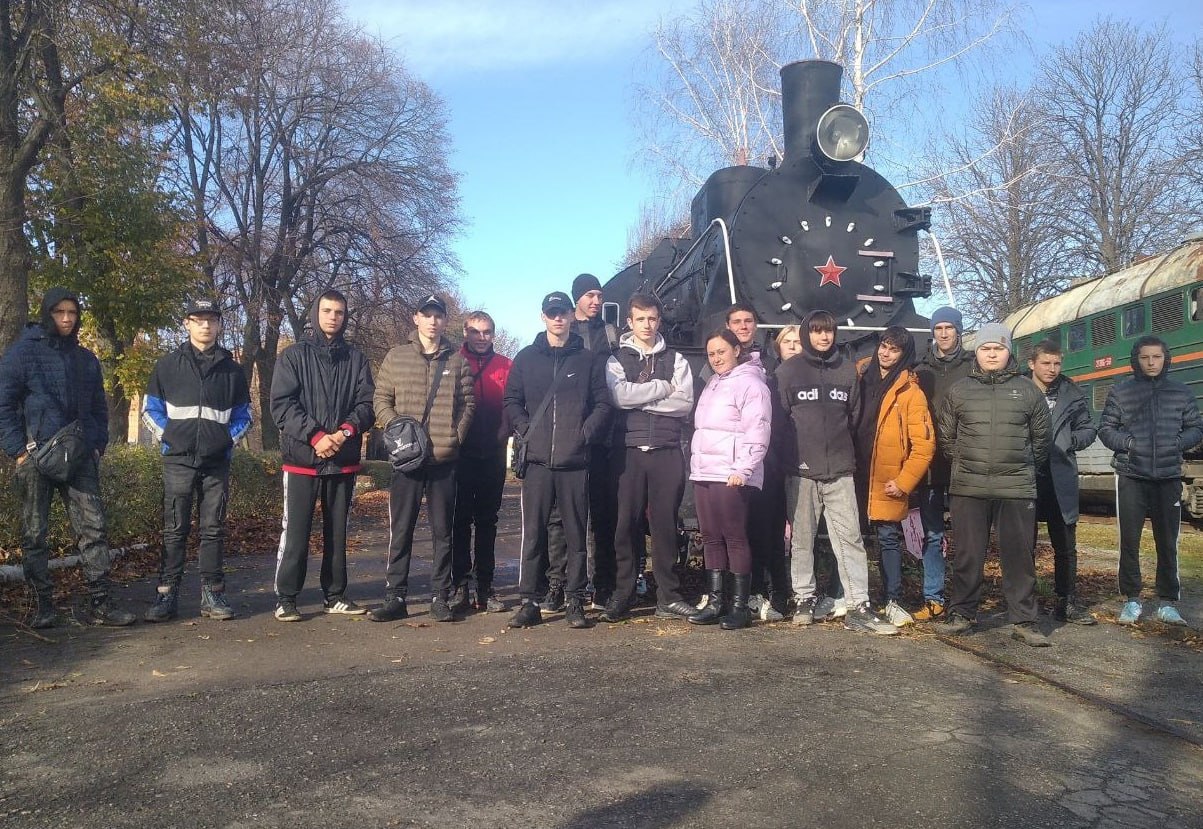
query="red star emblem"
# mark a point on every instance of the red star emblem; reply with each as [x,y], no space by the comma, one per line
[830,272]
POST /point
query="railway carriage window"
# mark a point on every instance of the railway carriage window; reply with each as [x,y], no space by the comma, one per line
[1077,336]
[1168,313]
[1196,305]
[1134,321]
[1102,330]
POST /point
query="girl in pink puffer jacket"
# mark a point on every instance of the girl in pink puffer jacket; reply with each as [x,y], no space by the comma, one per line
[731,436]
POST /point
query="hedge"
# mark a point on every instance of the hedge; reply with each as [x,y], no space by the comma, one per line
[131,484]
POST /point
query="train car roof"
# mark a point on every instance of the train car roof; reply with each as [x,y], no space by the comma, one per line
[1181,266]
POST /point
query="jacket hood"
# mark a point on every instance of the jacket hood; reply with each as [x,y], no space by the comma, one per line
[318,335]
[52,298]
[627,340]
[1135,363]
[575,343]
[810,350]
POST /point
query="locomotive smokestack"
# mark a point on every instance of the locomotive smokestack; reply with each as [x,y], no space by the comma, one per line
[808,89]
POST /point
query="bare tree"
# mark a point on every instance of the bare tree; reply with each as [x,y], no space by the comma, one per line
[1110,111]
[313,159]
[657,221]
[999,211]
[1191,162]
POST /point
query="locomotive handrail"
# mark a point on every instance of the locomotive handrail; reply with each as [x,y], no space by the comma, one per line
[726,256]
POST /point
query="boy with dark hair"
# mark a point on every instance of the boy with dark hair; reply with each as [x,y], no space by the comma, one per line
[1070,431]
[321,400]
[652,387]
[819,388]
[1148,422]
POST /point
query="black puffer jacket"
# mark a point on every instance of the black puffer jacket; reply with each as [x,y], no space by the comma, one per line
[821,395]
[936,376]
[994,426]
[1148,422]
[47,381]
[1071,430]
[579,412]
[321,384]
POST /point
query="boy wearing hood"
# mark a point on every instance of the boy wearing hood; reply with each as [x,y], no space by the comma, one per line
[428,379]
[944,363]
[321,400]
[895,441]
[993,425]
[47,381]
[197,405]
[1148,422]
[819,388]
[652,387]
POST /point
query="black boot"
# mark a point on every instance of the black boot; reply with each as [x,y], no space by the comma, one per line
[166,606]
[739,617]
[44,616]
[103,611]
[712,611]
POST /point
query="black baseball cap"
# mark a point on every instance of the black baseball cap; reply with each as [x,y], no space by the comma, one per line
[433,301]
[202,306]
[557,301]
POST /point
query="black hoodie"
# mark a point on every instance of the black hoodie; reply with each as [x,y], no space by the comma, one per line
[820,392]
[47,381]
[1148,422]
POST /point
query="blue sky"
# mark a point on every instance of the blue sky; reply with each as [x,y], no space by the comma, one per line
[538,94]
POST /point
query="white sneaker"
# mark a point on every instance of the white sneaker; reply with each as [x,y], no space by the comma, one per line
[827,609]
[897,616]
[767,612]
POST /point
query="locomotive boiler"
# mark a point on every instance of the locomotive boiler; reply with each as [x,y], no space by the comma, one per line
[820,230]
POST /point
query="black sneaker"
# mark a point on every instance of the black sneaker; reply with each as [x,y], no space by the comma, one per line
[553,602]
[528,615]
[574,614]
[165,608]
[44,615]
[214,604]
[343,606]
[954,624]
[102,611]
[286,611]
[391,611]
[1068,610]
[675,610]
[863,619]
[615,611]
[494,605]
[440,611]
[804,613]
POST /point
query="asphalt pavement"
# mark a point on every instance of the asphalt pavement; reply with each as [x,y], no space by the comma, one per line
[340,722]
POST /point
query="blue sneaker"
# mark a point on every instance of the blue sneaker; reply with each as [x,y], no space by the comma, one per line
[1130,615]
[1169,614]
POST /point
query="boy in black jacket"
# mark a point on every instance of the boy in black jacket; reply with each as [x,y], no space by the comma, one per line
[321,399]
[1149,421]
[558,450]
[197,406]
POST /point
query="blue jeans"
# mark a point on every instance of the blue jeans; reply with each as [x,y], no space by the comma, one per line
[931,512]
[889,552]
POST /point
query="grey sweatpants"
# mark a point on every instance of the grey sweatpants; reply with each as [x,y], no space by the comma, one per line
[808,501]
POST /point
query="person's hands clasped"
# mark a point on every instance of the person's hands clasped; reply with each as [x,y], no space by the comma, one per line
[735,480]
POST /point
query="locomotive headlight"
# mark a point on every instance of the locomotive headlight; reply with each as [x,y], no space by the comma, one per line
[843,133]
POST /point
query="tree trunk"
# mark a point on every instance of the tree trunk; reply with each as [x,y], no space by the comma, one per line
[265,364]
[15,259]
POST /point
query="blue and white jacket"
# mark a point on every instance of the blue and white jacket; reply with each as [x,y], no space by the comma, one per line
[197,405]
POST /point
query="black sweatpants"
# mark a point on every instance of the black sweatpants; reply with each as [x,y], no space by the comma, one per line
[766,536]
[647,484]
[437,483]
[567,489]
[479,483]
[1015,520]
[601,525]
[209,487]
[1160,502]
[301,494]
[1063,537]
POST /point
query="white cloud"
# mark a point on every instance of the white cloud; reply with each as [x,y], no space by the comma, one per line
[446,36]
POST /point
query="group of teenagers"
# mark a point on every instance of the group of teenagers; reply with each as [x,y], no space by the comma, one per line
[772,438]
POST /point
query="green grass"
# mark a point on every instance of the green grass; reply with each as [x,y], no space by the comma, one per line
[1106,537]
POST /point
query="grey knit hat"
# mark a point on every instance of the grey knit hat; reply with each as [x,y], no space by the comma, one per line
[994,332]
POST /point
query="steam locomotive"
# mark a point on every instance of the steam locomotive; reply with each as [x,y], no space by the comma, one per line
[818,231]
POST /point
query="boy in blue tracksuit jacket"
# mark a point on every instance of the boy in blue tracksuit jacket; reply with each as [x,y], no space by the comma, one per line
[197,405]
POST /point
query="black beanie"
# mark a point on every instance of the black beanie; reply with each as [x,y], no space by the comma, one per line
[583,284]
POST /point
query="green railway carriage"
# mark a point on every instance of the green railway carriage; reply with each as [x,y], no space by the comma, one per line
[1096,321]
